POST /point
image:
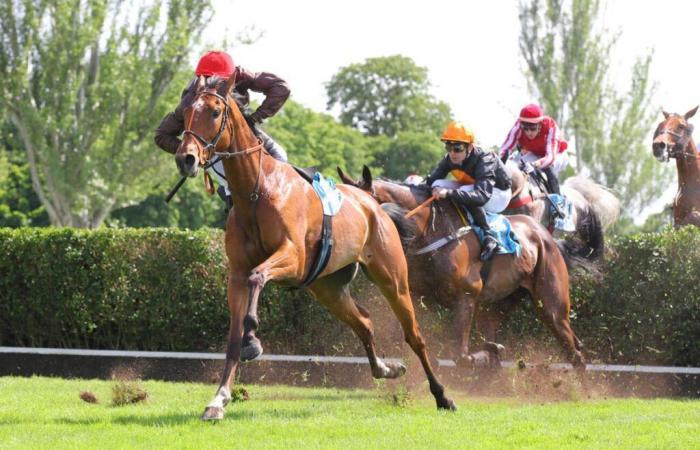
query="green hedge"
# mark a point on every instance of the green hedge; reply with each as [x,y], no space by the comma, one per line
[164,289]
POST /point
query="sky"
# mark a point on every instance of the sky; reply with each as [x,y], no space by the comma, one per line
[470,48]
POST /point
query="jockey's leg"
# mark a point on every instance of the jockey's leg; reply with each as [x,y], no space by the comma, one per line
[490,243]
[217,173]
[552,181]
[272,147]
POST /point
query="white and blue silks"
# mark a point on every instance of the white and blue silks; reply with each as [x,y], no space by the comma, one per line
[565,205]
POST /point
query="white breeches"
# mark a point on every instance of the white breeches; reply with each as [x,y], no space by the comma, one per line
[496,204]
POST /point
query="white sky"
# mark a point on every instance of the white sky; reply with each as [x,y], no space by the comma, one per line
[470,48]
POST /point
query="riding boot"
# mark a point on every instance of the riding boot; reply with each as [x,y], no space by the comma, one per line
[490,243]
[226,198]
[552,181]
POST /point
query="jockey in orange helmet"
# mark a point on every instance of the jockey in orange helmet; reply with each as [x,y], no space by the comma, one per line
[482,185]
[538,138]
[220,64]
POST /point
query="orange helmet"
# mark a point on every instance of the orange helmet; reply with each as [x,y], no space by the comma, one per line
[456,131]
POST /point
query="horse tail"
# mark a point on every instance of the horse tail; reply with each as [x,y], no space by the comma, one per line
[575,258]
[605,204]
[406,227]
[591,230]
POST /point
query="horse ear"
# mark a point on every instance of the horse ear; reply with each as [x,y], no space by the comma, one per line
[345,178]
[691,113]
[201,81]
[226,87]
[665,114]
[367,177]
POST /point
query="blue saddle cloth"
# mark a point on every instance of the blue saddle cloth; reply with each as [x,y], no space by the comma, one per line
[504,234]
[567,222]
[331,197]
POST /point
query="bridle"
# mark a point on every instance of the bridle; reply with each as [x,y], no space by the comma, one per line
[210,146]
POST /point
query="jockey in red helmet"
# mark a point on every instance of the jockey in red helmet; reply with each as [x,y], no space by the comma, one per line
[220,64]
[538,138]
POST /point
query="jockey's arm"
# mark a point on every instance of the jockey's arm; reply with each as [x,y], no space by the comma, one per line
[439,172]
[168,132]
[511,141]
[275,90]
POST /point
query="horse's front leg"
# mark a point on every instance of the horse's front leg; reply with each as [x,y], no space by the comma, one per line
[237,293]
[284,263]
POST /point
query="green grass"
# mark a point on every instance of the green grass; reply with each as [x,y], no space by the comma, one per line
[48,413]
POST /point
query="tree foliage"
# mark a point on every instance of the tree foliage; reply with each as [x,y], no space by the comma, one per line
[386,95]
[567,66]
[410,152]
[84,82]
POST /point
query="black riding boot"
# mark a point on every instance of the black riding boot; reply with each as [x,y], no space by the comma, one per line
[221,191]
[552,181]
[490,244]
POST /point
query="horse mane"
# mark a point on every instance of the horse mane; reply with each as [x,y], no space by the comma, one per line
[408,231]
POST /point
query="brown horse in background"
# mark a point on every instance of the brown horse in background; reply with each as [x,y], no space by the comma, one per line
[454,276]
[273,234]
[595,208]
[673,138]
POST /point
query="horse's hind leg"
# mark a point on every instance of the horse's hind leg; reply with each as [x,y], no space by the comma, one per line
[389,272]
[552,306]
[332,291]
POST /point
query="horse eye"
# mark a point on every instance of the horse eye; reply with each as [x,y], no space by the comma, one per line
[216,113]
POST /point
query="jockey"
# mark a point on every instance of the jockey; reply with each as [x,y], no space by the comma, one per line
[542,147]
[482,185]
[220,64]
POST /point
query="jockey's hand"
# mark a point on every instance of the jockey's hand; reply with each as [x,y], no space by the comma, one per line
[439,192]
[528,168]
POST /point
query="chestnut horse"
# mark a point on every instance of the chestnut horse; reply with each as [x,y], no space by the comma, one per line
[595,208]
[453,275]
[273,233]
[673,138]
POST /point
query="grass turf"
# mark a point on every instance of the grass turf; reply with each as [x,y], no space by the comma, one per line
[48,413]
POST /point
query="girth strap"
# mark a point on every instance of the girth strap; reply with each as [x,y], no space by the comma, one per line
[324,255]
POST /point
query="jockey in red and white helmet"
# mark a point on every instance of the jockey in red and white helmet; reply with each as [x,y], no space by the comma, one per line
[538,138]
[220,64]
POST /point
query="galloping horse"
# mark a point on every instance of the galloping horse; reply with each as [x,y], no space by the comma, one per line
[673,138]
[453,275]
[595,208]
[273,233]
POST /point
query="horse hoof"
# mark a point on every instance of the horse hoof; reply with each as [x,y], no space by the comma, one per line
[447,404]
[213,413]
[395,370]
[251,351]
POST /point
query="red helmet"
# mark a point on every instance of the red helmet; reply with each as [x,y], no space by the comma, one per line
[531,114]
[213,63]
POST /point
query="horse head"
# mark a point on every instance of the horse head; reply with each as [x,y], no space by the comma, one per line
[208,124]
[673,135]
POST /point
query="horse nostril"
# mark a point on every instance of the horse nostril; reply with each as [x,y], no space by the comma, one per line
[658,148]
[190,161]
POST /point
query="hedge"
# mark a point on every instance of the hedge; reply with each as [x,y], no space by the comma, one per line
[164,289]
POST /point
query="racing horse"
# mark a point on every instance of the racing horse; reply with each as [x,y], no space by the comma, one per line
[673,138]
[273,233]
[455,277]
[595,208]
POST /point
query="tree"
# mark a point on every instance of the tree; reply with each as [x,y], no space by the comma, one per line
[386,95]
[567,61]
[85,82]
[316,139]
[410,152]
